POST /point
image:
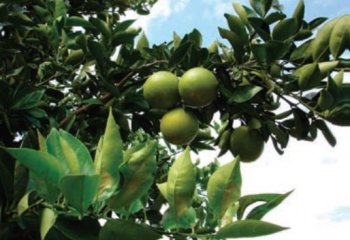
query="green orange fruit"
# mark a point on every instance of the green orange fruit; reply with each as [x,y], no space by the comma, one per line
[179,126]
[247,143]
[161,90]
[198,87]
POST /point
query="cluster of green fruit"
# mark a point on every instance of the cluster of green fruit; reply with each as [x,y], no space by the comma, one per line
[163,90]
[196,88]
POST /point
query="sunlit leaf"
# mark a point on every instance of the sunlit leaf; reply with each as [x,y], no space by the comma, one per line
[224,188]
[248,228]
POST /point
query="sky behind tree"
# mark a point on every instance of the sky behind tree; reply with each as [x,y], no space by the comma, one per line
[319,208]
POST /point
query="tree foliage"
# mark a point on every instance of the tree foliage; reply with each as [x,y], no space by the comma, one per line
[71,77]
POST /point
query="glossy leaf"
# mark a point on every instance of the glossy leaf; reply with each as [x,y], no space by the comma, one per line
[72,153]
[326,132]
[299,11]
[102,27]
[40,163]
[261,6]
[60,9]
[123,229]
[248,228]
[80,190]
[75,21]
[23,204]
[108,158]
[339,37]
[245,93]
[285,29]
[142,42]
[260,211]
[181,183]
[48,219]
[138,174]
[320,44]
[241,12]
[236,25]
[97,51]
[261,27]
[224,187]
[29,100]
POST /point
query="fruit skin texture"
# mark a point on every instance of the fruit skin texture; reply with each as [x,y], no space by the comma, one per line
[179,127]
[161,90]
[198,87]
[247,143]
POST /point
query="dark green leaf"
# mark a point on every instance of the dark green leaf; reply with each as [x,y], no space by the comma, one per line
[261,6]
[237,26]
[277,49]
[123,229]
[85,229]
[246,201]
[285,29]
[97,51]
[274,17]
[299,12]
[316,22]
[29,100]
[120,38]
[301,124]
[60,9]
[261,27]
[326,132]
[75,21]
[260,211]
[196,37]
[80,190]
[102,27]
[248,228]
[180,53]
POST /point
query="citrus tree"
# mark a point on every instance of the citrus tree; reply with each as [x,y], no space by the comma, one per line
[98,126]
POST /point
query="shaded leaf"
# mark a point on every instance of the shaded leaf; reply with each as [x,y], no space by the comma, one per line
[261,27]
[29,100]
[261,6]
[75,21]
[123,229]
[84,229]
[285,29]
[326,132]
[80,190]
[260,211]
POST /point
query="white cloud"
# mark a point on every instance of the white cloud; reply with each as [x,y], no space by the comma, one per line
[160,12]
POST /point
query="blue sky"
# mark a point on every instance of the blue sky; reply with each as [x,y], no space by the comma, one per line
[207,15]
[319,208]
